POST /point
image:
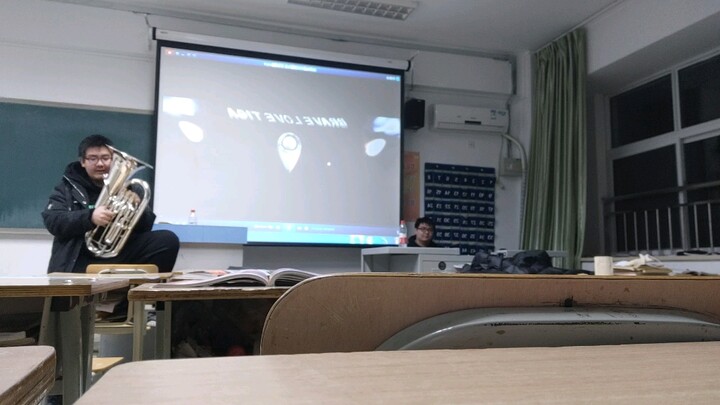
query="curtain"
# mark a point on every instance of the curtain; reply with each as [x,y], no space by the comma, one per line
[554,209]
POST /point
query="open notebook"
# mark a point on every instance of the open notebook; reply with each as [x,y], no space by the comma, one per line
[244,277]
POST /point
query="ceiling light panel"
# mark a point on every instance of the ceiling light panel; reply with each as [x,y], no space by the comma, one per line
[396,10]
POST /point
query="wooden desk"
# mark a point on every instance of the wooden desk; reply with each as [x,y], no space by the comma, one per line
[69,330]
[147,293]
[360,311]
[621,374]
[51,286]
[27,373]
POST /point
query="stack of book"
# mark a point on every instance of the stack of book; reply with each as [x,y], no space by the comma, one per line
[644,265]
[642,270]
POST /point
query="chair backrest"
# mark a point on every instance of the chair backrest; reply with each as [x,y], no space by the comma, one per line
[359,311]
[122,268]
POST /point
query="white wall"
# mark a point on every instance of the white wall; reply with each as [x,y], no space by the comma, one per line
[65,53]
[639,35]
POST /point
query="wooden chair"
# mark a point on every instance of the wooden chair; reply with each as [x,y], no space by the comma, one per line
[126,326]
[101,364]
[119,268]
[360,311]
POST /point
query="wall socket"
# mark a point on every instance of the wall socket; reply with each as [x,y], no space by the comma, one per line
[511,167]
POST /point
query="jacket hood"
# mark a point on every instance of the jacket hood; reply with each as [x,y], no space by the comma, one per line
[76,173]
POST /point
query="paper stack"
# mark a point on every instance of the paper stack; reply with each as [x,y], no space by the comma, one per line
[644,265]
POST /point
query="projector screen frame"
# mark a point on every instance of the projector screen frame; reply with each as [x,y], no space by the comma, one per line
[361,242]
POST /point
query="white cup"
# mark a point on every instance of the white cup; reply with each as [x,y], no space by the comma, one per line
[603,265]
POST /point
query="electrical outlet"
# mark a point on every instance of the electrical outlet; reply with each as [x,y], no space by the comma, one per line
[511,167]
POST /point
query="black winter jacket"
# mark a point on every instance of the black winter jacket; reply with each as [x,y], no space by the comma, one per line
[68,217]
[412,242]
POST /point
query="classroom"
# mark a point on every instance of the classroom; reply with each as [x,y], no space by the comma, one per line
[627,169]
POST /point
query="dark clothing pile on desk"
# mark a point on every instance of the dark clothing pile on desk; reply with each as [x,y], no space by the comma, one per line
[527,262]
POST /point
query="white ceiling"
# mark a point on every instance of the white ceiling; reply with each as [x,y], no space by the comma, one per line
[491,27]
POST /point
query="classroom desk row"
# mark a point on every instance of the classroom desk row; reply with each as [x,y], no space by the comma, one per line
[67,323]
[378,293]
[144,291]
[619,374]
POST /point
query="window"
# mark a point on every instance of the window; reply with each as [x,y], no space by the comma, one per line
[666,191]
[643,181]
[642,112]
[702,166]
[700,92]
[648,171]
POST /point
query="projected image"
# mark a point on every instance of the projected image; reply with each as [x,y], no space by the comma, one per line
[295,152]
[289,149]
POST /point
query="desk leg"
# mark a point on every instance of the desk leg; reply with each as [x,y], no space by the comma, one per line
[71,345]
[162,331]
[73,330]
[47,325]
[87,321]
[139,324]
[48,336]
[164,327]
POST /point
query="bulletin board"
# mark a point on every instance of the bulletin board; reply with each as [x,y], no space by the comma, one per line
[461,201]
[411,185]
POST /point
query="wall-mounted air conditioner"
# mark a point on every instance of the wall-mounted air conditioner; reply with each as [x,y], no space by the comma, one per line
[470,118]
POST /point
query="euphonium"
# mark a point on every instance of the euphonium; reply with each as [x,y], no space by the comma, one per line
[107,241]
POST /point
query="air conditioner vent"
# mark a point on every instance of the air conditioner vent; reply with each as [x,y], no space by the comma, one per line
[475,119]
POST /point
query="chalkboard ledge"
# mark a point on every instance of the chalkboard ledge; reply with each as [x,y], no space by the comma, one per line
[33,233]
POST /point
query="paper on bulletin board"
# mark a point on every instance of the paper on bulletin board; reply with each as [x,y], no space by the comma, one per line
[411,186]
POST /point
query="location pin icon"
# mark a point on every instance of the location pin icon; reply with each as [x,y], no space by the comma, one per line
[289,148]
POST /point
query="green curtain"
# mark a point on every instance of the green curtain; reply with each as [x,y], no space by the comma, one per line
[554,214]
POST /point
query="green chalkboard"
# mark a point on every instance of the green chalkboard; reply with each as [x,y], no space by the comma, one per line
[38,141]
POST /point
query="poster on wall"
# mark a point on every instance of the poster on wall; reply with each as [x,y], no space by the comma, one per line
[461,201]
[411,186]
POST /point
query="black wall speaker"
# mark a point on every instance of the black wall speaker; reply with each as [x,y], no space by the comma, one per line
[414,114]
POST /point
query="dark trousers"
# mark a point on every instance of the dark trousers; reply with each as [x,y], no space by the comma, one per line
[155,247]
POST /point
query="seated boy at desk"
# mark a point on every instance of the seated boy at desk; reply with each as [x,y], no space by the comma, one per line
[424,231]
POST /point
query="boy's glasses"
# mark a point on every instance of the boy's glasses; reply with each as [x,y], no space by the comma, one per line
[95,159]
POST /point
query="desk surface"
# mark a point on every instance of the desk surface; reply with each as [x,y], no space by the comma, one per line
[133,279]
[46,286]
[27,373]
[148,292]
[632,374]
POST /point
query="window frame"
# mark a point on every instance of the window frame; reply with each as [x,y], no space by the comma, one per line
[677,138]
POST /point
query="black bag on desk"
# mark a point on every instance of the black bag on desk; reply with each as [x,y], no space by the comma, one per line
[526,262]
